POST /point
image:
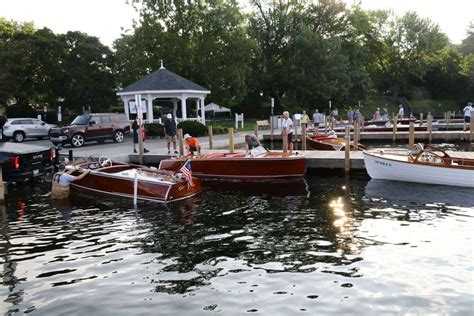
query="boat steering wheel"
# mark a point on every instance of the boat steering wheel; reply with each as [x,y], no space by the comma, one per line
[105,161]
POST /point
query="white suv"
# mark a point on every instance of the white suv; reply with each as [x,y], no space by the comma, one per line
[21,128]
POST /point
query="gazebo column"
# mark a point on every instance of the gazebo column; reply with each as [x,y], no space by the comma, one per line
[149,101]
[175,108]
[203,111]
[184,115]
[125,107]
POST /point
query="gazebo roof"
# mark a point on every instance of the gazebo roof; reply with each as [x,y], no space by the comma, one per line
[163,80]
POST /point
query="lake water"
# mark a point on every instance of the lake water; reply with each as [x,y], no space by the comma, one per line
[329,245]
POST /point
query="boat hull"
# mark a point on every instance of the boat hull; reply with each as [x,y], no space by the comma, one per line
[379,167]
[249,168]
[115,185]
[324,143]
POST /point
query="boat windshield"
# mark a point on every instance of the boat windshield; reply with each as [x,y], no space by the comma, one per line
[257,151]
[81,120]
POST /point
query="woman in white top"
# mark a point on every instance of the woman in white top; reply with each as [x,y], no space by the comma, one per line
[467,115]
[288,124]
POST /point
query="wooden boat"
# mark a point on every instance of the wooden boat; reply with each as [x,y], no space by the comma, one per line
[118,179]
[259,164]
[328,143]
[429,165]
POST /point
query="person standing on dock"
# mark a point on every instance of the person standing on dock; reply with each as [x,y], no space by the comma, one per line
[468,109]
[401,112]
[304,120]
[316,120]
[135,127]
[287,124]
[61,181]
[170,133]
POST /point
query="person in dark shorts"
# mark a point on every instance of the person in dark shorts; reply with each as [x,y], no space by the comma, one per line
[170,133]
[288,124]
[468,109]
[135,127]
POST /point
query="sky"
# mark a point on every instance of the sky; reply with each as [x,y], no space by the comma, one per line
[106,19]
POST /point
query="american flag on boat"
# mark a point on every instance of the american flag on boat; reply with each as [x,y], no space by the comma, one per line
[186,171]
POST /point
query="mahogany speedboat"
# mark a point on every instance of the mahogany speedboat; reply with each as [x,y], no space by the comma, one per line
[329,143]
[118,179]
[258,164]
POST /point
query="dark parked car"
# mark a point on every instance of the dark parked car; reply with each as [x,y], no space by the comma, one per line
[22,162]
[92,127]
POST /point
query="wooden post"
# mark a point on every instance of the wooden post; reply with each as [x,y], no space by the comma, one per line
[356,134]
[347,158]
[2,187]
[325,125]
[285,140]
[411,136]
[140,144]
[429,123]
[395,122]
[448,120]
[332,122]
[255,130]
[210,136]
[471,130]
[231,140]
[421,119]
[271,127]
[303,137]
[180,142]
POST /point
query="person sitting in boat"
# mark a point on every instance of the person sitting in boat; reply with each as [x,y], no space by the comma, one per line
[61,181]
[331,134]
[192,144]
[251,141]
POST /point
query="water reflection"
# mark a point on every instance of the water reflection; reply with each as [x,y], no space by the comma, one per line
[235,250]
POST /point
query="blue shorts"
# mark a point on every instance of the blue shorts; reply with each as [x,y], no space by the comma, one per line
[467,119]
[290,137]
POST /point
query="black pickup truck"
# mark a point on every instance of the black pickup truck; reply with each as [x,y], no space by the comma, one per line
[22,162]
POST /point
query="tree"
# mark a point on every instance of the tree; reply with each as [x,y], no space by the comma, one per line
[205,42]
[467,45]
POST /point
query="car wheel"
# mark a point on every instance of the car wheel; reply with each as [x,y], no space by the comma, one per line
[118,136]
[19,137]
[77,140]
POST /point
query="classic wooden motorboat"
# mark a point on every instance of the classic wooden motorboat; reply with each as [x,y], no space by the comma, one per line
[429,165]
[258,164]
[329,143]
[118,179]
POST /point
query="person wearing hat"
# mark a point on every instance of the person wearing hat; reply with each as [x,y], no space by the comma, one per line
[468,109]
[401,112]
[251,141]
[170,132]
[192,144]
[61,181]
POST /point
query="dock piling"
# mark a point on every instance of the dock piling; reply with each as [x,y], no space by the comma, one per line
[209,132]
[356,134]
[180,142]
[303,137]
[430,127]
[325,125]
[2,187]
[285,140]
[255,130]
[395,122]
[421,119]
[231,140]
[347,159]
[411,136]
[70,157]
[471,131]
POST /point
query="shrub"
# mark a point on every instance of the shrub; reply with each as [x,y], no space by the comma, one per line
[193,128]
[154,130]
[219,129]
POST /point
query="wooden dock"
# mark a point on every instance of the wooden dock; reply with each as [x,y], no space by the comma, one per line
[436,136]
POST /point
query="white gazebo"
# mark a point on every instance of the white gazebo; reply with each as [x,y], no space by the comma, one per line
[164,84]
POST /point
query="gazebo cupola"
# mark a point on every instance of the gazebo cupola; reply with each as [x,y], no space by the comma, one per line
[164,84]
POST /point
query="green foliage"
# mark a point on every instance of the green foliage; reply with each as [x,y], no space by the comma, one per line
[155,129]
[219,129]
[193,128]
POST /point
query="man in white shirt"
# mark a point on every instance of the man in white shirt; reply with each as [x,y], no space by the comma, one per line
[468,109]
[401,112]
[287,124]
